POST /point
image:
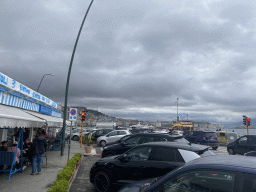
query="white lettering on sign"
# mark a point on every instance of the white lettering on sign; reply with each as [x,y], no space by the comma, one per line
[20,88]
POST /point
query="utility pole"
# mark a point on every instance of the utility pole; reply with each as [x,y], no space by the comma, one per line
[177,109]
[67,83]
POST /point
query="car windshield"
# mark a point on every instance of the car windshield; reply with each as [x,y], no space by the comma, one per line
[124,138]
[188,155]
[210,134]
[181,140]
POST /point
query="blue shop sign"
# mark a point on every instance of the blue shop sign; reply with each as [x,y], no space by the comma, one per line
[46,110]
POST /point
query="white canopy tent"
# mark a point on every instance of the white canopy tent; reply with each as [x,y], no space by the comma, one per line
[14,117]
[51,121]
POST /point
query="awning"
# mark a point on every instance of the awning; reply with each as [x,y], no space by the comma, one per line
[51,120]
[14,117]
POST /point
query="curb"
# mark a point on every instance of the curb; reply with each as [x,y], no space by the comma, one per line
[89,154]
[74,175]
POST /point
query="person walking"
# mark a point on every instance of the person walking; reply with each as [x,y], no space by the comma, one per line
[39,148]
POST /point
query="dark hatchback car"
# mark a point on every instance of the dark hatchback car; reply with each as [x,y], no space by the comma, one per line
[142,162]
[242,145]
[133,140]
[220,173]
[208,138]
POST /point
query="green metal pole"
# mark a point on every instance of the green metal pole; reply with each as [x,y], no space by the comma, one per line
[67,84]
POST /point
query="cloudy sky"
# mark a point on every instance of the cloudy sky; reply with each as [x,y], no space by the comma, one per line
[135,58]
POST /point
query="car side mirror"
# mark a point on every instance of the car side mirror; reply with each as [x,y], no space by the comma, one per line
[123,158]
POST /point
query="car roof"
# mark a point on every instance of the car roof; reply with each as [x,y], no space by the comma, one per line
[159,134]
[178,145]
[203,131]
[227,160]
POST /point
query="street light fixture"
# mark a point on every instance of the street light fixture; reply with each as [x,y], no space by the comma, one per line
[42,80]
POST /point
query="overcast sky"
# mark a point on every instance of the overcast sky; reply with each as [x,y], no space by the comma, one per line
[135,58]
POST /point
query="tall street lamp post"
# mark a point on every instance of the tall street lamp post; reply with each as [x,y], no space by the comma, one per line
[177,110]
[42,80]
[67,83]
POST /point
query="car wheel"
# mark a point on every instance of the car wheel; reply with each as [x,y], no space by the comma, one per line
[102,143]
[215,148]
[75,138]
[102,181]
[231,152]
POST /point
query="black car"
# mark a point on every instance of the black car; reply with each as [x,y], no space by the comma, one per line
[130,141]
[251,154]
[99,132]
[144,161]
[209,138]
[220,173]
[242,145]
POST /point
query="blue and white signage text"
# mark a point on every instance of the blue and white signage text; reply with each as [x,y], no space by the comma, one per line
[20,88]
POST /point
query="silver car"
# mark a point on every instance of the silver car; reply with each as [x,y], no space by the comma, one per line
[112,137]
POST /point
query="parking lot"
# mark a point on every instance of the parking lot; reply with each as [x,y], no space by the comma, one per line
[81,182]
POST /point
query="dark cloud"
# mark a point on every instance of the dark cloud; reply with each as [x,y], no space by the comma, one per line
[135,58]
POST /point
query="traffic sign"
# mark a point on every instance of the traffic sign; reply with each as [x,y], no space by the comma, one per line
[72,114]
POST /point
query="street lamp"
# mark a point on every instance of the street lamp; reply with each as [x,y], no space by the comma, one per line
[67,83]
[42,80]
[177,109]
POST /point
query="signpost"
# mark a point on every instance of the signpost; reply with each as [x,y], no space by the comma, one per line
[72,117]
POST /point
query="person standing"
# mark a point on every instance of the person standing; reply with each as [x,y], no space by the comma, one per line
[39,148]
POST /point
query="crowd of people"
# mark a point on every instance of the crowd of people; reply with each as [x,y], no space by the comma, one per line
[32,151]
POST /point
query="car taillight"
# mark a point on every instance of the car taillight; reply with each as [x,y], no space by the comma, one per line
[204,138]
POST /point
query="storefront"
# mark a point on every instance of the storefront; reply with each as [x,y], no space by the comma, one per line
[22,112]
[21,106]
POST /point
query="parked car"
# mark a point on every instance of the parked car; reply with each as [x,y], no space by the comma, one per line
[216,173]
[137,131]
[98,133]
[76,133]
[142,162]
[226,137]
[130,141]
[251,154]
[112,137]
[242,145]
[177,133]
[204,138]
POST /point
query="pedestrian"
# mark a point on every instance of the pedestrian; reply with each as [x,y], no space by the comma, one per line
[44,134]
[39,148]
[13,149]
[4,147]
[27,151]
